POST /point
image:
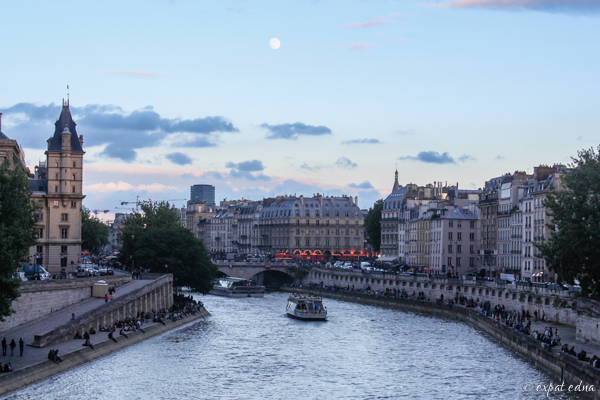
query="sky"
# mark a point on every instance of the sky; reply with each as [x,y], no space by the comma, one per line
[168,94]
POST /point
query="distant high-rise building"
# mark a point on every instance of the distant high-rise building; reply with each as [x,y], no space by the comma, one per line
[203,192]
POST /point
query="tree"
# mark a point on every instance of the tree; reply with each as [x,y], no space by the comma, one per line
[156,240]
[373,225]
[94,233]
[573,250]
[18,229]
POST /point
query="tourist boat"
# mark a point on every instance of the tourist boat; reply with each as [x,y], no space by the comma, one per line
[307,307]
[236,287]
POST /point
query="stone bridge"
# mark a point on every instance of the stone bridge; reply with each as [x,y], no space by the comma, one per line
[257,271]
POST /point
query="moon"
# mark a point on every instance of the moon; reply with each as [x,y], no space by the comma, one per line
[274,43]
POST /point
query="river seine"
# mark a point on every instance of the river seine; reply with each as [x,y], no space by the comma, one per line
[249,349]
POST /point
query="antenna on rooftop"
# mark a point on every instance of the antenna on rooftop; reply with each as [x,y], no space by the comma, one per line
[68,94]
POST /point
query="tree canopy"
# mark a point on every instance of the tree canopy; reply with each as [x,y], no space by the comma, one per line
[155,240]
[373,225]
[94,233]
[18,228]
[573,250]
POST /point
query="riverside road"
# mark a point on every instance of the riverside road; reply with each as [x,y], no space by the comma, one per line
[249,349]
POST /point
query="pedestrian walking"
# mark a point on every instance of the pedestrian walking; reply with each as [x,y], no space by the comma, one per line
[4,347]
[12,347]
[21,346]
[106,298]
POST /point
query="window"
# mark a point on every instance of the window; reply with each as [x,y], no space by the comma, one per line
[459,248]
[316,213]
[64,217]
[347,223]
[317,242]
[297,231]
[297,213]
[337,222]
[297,222]
[307,242]
[472,224]
[63,249]
[39,249]
[450,235]
[41,233]
[459,236]
[337,213]
[471,236]
[63,262]
[450,223]
[64,233]
[327,223]
[307,222]
[355,223]
[458,261]
[337,242]
[471,261]
[73,176]
[472,249]
[327,232]
[327,242]
[55,189]
[347,243]
[56,176]
[449,248]
[56,164]
[347,232]
[337,232]
[449,261]
[347,213]
[40,217]
[297,242]
[318,222]
[74,165]
[459,224]
[73,204]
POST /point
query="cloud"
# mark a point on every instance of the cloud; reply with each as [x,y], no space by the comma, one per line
[362,45]
[361,141]
[345,163]
[364,185]
[292,131]
[377,21]
[309,168]
[432,157]
[466,157]
[140,74]
[113,187]
[499,157]
[248,166]
[121,132]
[179,158]
[248,175]
[560,6]
[405,132]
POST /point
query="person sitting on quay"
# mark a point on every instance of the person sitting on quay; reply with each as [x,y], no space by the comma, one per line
[122,333]
[582,356]
[78,335]
[86,335]
[87,343]
[8,367]
[595,362]
[111,337]
[92,331]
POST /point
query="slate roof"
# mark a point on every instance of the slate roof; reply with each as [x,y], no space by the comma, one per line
[3,136]
[38,185]
[65,119]
[458,213]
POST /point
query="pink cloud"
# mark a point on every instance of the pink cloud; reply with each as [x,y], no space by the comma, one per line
[569,6]
[379,20]
[142,74]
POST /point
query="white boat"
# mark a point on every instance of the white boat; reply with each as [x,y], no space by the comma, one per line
[236,287]
[307,307]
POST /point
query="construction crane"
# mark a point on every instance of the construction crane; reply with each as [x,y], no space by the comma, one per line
[97,211]
[138,202]
[125,208]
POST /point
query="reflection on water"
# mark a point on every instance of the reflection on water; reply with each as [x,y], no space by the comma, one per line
[249,349]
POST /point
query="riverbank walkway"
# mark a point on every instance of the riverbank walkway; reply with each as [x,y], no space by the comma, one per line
[47,323]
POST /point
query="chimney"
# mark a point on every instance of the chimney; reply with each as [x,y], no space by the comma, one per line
[356,200]
[0,122]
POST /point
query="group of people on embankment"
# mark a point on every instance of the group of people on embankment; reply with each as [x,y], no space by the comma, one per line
[7,367]
[520,320]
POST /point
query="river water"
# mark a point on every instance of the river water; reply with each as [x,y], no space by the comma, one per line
[249,349]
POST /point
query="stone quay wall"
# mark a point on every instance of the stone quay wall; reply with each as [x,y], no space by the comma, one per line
[562,366]
[156,295]
[45,369]
[39,298]
[537,297]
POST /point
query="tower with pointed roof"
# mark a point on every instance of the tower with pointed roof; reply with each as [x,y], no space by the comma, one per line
[59,186]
